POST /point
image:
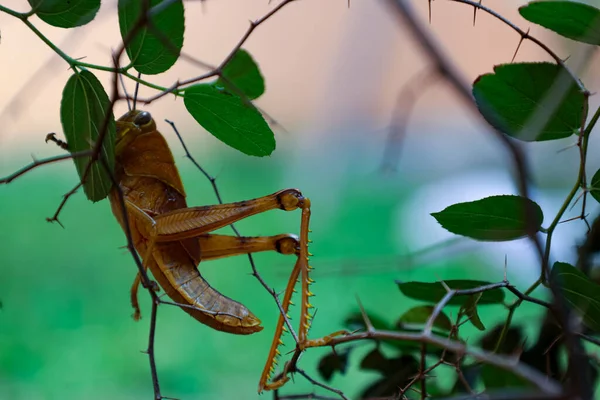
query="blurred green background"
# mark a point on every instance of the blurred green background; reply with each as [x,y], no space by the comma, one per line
[65,324]
[65,321]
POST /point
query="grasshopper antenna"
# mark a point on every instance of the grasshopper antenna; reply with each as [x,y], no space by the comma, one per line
[137,87]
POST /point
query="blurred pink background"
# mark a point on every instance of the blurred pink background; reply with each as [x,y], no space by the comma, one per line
[324,63]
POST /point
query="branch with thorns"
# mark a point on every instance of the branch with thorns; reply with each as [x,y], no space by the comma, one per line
[95,156]
[426,338]
[446,69]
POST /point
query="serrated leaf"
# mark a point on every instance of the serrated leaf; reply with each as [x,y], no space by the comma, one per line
[510,96]
[65,14]
[573,20]
[580,292]
[153,51]
[230,119]
[595,186]
[83,108]
[470,310]
[433,292]
[244,74]
[420,315]
[495,218]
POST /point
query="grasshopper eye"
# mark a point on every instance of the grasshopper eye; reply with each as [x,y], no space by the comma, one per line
[143,118]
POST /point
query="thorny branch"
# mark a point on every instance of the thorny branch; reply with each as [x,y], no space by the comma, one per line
[142,22]
[444,68]
[427,338]
[217,71]
[39,163]
[579,385]
[95,153]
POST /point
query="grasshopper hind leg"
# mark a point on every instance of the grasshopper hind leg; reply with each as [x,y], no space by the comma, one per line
[300,272]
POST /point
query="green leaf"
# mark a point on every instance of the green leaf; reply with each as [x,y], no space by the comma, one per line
[83,108]
[595,186]
[65,14]
[495,218]
[570,19]
[510,96]
[153,51]
[230,119]
[512,341]
[244,74]
[580,292]
[419,316]
[496,378]
[470,310]
[433,292]
[333,362]
[398,372]
[375,361]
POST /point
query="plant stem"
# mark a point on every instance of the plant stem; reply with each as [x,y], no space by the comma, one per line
[76,63]
[16,14]
[572,193]
[511,311]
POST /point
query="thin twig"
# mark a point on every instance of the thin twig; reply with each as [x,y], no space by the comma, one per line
[39,163]
[525,35]
[255,273]
[150,351]
[322,385]
[66,196]
[218,70]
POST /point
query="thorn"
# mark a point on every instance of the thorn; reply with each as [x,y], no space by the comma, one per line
[519,45]
[310,241]
[292,303]
[281,342]
[310,280]
[310,254]
[310,294]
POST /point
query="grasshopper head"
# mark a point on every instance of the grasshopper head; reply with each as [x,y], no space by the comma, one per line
[130,126]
